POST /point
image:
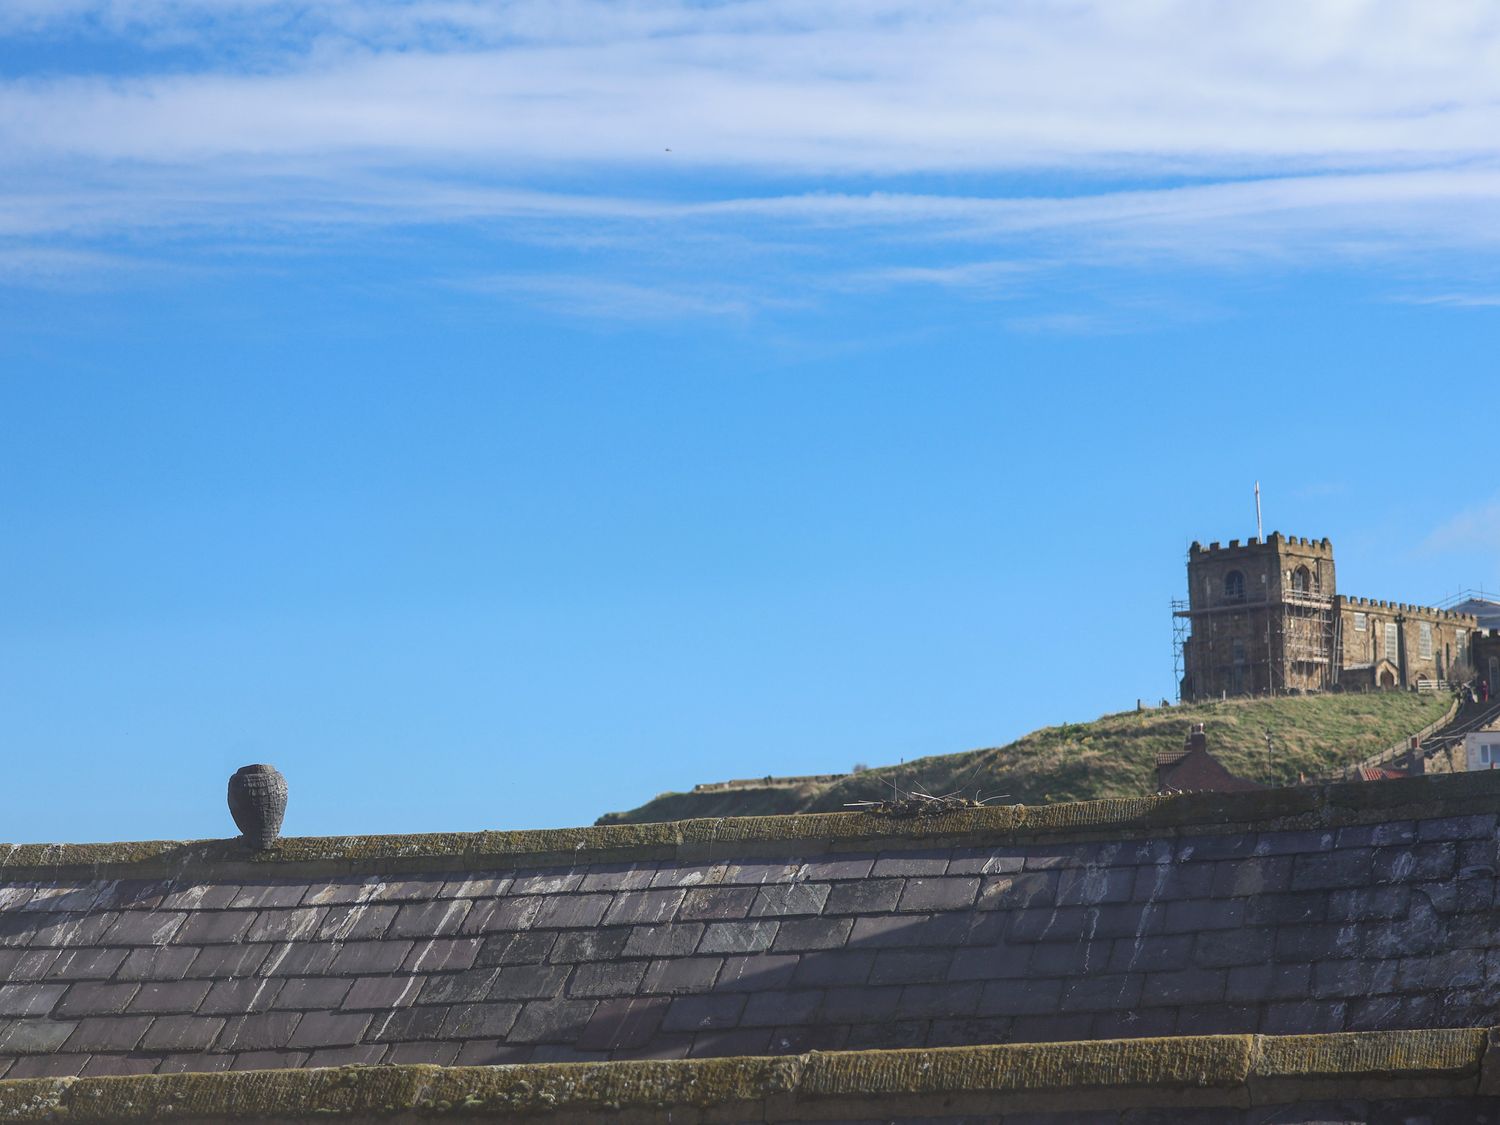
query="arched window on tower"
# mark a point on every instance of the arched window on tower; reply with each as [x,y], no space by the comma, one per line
[1234,586]
[1301,580]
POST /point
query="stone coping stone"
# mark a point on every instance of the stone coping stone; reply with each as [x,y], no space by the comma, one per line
[1204,1071]
[1301,807]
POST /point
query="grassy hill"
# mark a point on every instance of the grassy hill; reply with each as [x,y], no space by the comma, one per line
[1114,756]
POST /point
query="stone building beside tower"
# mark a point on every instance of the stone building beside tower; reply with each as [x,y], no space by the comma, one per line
[1266,617]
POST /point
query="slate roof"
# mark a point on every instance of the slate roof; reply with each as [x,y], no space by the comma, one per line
[1318,909]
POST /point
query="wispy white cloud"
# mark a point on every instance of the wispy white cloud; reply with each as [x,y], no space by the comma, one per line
[1455,300]
[596,299]
[1473,529]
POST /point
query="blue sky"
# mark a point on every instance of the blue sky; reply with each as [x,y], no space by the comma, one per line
[494,415]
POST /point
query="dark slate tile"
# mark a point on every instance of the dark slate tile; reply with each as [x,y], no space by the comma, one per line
[948,893]
[256,896]
[1356,978]
[166,963]
[458,988]
[529,982]
[479,1021]
[1315,943]
[383,993]
[676,939]
[553,1021]
[439,918]
[1346,868]
[797,1040]
[837,868]
[144,927]
[1184,986]
[363,1054]
[739,937]
[29,999]
[1163,882]
[1160,951]
[1059,959]
[618,877]
[16,929]
[268,1060]
[286,925]
[1287,843]
[914,863]
[834,967]
[236,997]
[618,978]
[1267,982]
[132,894]
[636,907]
[48,1066]
[875,896]
[909,966]
[200,896]
[1110,992]
[623,1024]
[984,861]
[108,1033]
[690,875]
[1020,997]
[489,1052]
[1287,909]
[886,929]
[408,1023]
[761,970]
[477,886]
[728,1044]
[182,1033]
[859,1005]
[168,996]
[679,975]
[526,948]
[1303,1017]
[500,915]
[1051,1028]
[703,904]
[443,955]
[1192,916]
[214,927]
[297,959]
[550,881]
[29,964]
[989,962]
[671,1045]
[192,1062]
[1475,827]
[329,1029]
[337,892]
[415,888]
[782,1008]
[798,934]
[1136,1024]
[762,871]
[580,911]
[1224,948]
[15,895]
[227,962]
[971,1030]
[1229,845]
[356,921]
[703,1013]
[68,930]
[1030,889]
[1451,896]
[112,1066]
[302,993]
[66,897]
[364,958]
[784,899]
[1381,835]
[431,1053]
[938,1001]
[91,998]
[86,964]
[565,1053]
[35,1037]
[589,945]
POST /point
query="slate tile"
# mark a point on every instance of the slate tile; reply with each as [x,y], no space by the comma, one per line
[729,1044]
[962,1032]
[329,1029]
[227,962]
[89,998]
[589,945]
[680,975]
[193,1062]
[489,1052]
[565,1053]
[479,1021]
[68,930]
[1184,986]
[1030,889]
[619,978]
[165,963]
[739,937]
[303,993]
[1020,997]
[904,966]
[886,929]
[781,900]
[761,970]
[780,1008]
[1348,868]
[113,1066]
[404,1024]
[799,1040]
[937,1001]
[1385,834]
[430,1053]
[356,921]
[144,927]
[256,896]
[29,999]
[984,861]
[1052,1028]
[676,939]
[925,864]
[989,962]
[200,896]
[1223,948]
[703,1013]
[623,1024]
[108,1033]
[413,888]
[580,911]
[86,964]
[30,964]
[366,958]
[363,1054]
[877,896]
[214,927]
[1357,978]
[1151,952]
[182,1033]
[1105,993]
[1287,909]
[286,925]
[383,993]
[169,996]
[1058,959]
[268,1060]
[67,897]
[16,929]
[443,955]
[458,988]
[1303,1017]
[835,967]
[553,1021]
[833,868]
[956,893]
[1288,843]
[15,895]
[1214,914]
[526,948]
[298,959]
[703,904]
[759,871]
[529,982]
[1228,845]
[338,892]
[1476,827]
[690,875]
[236,997]
[859,1005]
[36,1037]
[634,907]
[500,915]
[48,1066]
[548,881]
[1267,982]
[440,918]
[617,877]
[473,886]
[812,933]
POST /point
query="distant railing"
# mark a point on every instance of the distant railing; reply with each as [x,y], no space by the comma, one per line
[1435,687]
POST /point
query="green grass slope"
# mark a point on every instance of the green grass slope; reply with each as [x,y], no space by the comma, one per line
[1114,756]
